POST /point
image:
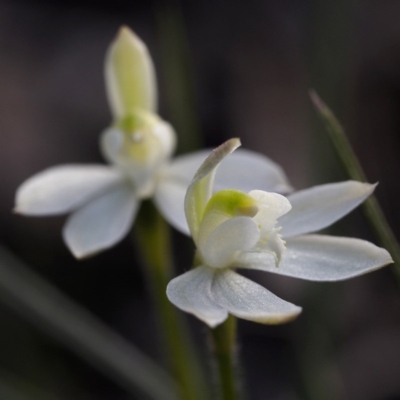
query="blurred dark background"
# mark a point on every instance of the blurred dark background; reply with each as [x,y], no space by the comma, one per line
[225,68]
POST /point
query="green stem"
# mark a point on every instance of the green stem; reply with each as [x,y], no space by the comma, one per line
[354,170]
[224,343]
[155,243]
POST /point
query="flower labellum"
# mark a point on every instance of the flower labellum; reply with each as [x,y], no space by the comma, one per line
[234,229]
[104,200]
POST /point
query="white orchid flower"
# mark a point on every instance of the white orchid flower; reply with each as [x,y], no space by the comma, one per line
[233,229]
[104,200]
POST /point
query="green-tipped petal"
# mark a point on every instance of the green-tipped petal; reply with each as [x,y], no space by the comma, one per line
[200,189]
[129,74]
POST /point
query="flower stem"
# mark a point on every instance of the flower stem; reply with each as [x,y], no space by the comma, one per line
[155,243]
[354,170]
[224,343]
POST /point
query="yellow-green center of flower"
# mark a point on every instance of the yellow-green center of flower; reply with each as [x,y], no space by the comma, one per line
[232,203]
[235,222]
[141,142]
[221,207]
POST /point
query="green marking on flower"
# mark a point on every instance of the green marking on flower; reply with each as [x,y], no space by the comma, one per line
[222,206]
[232,202]
[141,140]
[139,144]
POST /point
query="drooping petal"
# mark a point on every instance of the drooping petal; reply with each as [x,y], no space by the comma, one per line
[243,170]
[248,300]
[320,206]
[321,258]
[191,292]
[129,74]
[60,189]
[169,198]
[220,247]
[101,223]
[200,189]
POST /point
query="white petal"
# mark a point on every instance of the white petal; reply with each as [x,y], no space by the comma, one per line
[60,189]
[220,247]
[191,293]
[200,189]
[129,73]
[321,258]
[169,198]
[320,206]
[248,300]
[101,223]
[247,170]
[243,170]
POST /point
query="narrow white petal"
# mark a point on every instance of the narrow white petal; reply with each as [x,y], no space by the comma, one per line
[191,293]
[200,189]
[321,258]
[101,223]
[248,300]
[320,206]
[169,198]
[60,189]
[223,244]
